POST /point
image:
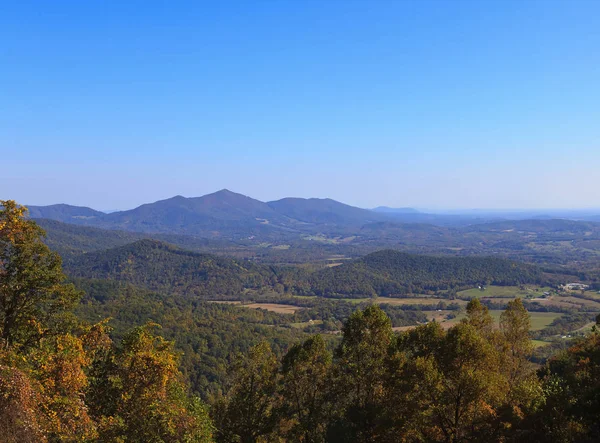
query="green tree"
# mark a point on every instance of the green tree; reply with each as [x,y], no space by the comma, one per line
[34,298]
[571,386]
[524,390]
[457,388]
[479,317]
[361,374]
[249,410]
[306,370]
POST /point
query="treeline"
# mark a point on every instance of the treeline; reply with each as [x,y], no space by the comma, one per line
[159,266]
[472,383]
[62,380]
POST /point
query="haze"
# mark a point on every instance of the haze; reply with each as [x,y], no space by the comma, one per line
[425,104]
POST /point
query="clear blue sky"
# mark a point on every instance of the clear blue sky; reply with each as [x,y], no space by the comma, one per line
[440,104]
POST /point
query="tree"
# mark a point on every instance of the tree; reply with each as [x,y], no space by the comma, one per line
[151,404]
[34,298]
[514,328]
[479,317]
[248,411]
[361,373]
[306,371]
[571,383]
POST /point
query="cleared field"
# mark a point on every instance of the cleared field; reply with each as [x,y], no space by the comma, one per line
[593,294]
[557,301]
[416,301]
[504,292]
[580,301]
[404,301]
[567,301]
[273,307]
[539,320]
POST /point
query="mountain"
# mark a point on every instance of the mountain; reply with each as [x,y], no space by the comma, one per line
[221,213]
[390,272]
[159,266]
[64,213]
[68,239]
[323,211]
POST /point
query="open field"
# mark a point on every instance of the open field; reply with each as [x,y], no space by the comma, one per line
[539,320]
[580,301]
[274,307]
[568,301]
[404,301]
[416,301]
[504,292]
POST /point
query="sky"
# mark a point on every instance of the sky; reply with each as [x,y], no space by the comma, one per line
[431,104]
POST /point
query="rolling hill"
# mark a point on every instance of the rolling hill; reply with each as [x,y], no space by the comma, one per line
[65,213]
[159,266]
[390,272]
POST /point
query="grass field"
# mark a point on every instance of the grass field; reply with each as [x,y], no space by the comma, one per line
[274,307]
[539,320]
[404,301]
[504,292]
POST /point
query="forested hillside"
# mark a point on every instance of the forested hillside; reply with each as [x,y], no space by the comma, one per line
[390,272]
[159,266]
[156,265]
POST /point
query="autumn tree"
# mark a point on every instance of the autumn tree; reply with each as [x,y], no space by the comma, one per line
[144,397]
[34,298]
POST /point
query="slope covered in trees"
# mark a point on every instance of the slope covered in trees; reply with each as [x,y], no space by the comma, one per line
[391,272]
[159,266]
[156,265]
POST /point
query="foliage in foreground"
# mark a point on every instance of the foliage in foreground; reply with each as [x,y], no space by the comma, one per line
[472,383]
[65,381]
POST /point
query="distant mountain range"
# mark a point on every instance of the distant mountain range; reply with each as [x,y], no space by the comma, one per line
[221,214]
[231,216]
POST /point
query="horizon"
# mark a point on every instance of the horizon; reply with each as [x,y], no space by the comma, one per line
[424,210]
[432,104]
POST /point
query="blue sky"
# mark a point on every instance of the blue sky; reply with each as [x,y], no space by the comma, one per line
[438,104]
